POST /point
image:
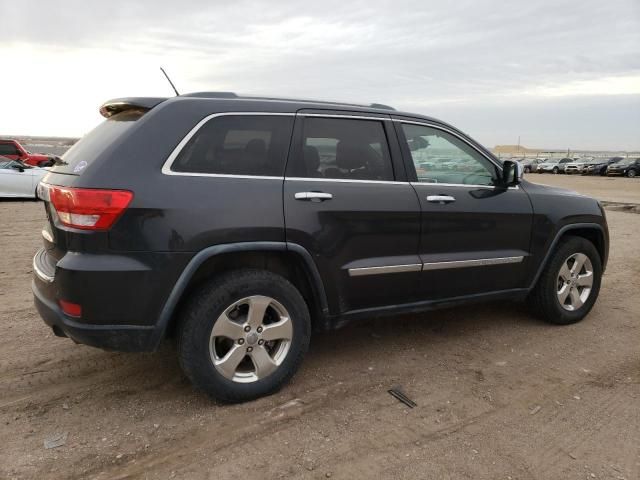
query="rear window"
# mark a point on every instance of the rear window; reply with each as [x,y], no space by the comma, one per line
[85,151]
[254,145]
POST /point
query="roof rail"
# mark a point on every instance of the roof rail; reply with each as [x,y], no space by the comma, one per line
[211,95]
[381,106]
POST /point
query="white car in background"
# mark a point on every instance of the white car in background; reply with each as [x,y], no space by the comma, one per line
[18,179]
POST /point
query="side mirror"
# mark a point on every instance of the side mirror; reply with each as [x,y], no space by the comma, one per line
[512,173]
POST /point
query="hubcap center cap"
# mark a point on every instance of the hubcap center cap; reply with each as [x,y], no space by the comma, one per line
[252,338]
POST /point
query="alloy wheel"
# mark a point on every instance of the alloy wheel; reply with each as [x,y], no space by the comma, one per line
[575,281]
[251,339]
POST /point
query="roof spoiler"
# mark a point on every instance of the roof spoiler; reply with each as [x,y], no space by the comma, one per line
[119,105]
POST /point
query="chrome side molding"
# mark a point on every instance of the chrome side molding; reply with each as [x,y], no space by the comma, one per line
[420,267]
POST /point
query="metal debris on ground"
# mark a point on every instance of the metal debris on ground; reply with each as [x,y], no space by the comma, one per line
[56,440]
[399,394]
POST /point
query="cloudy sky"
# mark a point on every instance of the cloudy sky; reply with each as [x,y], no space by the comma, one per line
[557,73]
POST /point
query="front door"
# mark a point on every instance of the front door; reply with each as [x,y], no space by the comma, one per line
[348,202]
[475,233]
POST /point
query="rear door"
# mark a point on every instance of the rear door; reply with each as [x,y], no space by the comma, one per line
[348,202]
[475,235]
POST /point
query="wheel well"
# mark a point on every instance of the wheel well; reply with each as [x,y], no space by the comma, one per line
[594,235]
[286,264]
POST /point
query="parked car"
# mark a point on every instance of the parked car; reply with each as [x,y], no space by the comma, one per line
[628,167]
[576,166]
[599,167]
[13,150]
[531,164]
[18,179]
[257,221]
[554,165]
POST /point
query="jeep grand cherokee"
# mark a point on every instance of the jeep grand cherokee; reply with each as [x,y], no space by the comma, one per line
[240,225]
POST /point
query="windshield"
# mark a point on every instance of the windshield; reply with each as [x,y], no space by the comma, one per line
[89,147]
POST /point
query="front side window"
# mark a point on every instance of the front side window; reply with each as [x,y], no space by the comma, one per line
[342,148]
[238,145]
[440,157]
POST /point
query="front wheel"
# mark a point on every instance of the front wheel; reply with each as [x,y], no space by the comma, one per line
[570,282]
[243,335]
[631,173]
[556,170]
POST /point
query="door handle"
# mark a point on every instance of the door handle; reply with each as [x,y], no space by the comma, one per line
[313,196]
[440,199]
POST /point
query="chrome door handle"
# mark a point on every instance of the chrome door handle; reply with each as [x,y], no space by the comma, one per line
[440,199]
[316,196]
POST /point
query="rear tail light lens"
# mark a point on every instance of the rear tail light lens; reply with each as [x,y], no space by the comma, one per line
[89,208]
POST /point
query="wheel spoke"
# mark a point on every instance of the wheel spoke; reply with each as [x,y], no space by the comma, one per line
[565,273]
[257,308]
[578,262]
[563,293]
[225,327]
[262,361]
[576,301]
[585,280]
[281,330]
[229,363]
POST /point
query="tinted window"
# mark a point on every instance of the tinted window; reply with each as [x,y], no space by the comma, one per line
[89,147]
[8,149]
[440,157]
[340,148]
[238,145]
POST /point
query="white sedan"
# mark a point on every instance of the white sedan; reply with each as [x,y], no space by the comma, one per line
[18,179]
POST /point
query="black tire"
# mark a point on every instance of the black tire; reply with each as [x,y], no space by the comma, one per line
[556,170]
[544,299]
[201,313]
[631,173]
[527,170]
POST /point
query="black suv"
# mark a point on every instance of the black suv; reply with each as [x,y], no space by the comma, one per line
[240,225]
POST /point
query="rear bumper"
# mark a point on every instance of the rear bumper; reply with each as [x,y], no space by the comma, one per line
[121,296]
[126,338]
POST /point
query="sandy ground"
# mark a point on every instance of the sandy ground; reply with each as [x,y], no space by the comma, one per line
[500,394]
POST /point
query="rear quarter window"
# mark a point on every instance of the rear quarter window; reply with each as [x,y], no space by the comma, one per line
[89,147]
[254,145]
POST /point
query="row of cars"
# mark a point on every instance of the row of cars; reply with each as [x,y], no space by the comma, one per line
[629,167]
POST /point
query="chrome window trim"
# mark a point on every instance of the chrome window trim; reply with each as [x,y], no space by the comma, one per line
[421,184]
[359,272]
[345,180]
[166,167]
[480,262]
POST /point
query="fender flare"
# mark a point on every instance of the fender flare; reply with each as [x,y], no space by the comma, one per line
[559,233]
[203,255]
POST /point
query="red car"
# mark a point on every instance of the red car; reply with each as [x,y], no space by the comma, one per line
[14,151]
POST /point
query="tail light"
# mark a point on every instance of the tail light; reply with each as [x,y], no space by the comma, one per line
[88,208]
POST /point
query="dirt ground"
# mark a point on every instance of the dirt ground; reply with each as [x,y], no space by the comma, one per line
[500,394]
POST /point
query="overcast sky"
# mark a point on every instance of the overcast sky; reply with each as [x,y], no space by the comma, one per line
[558,73]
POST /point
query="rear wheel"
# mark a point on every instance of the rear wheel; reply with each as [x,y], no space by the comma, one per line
[243,335]
[556,170]
[569,285]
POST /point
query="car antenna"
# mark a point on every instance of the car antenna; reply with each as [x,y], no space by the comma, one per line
[170,82]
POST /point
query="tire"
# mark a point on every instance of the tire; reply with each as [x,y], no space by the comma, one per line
[527,170]
[198,348]
[631,173]
[556,170]
[545,297]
